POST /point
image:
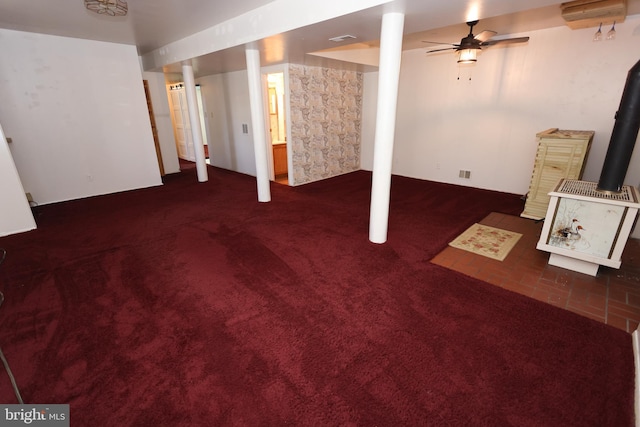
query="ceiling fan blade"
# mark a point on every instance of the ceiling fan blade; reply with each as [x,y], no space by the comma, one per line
[485,35]
[427,41]
[505,41]
[441,50]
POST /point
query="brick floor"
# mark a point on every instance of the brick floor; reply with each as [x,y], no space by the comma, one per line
[612,297]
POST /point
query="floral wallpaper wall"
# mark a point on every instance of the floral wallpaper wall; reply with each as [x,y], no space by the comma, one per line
[326,112]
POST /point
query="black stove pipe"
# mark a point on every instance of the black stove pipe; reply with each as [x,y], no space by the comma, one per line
[624,135]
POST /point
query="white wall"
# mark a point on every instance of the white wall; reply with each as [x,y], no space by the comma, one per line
[226,104]
[15,213]
[77,114]
[559,79]
[162,114]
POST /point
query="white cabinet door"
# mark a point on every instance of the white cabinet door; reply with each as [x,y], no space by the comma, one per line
[182,127]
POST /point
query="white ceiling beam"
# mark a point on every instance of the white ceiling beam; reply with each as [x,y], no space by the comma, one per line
[273,18]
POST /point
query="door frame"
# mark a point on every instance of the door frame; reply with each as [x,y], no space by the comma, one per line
[284,109]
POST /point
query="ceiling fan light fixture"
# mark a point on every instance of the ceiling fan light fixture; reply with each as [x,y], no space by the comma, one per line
[107,7]
[467,56]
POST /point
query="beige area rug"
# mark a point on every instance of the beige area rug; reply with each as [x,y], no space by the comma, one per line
[487,241]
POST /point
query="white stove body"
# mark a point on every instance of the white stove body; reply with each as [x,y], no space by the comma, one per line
[585,228]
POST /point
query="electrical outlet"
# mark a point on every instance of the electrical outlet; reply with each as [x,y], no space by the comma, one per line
[29,197]
[464,174]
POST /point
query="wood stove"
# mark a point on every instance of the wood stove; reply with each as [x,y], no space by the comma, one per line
[588,224]
[585,227]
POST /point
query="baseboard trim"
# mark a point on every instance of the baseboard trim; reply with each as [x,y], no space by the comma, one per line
[636,362]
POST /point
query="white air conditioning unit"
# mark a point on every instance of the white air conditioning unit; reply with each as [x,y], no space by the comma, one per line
[591,13]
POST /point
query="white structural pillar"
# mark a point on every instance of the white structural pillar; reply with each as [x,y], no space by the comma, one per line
[388,78]
[194,119]
[258,121]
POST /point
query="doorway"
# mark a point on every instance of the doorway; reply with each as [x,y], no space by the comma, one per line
[278,127]
[182,124]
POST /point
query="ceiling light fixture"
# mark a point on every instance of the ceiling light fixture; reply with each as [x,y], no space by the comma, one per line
[467,56]
[612,32]
[107,7]
[598,35]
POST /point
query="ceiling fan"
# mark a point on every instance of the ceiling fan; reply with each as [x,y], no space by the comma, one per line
[470,45]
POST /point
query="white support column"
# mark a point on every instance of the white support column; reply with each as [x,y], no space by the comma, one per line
[194,119]
[388,78]
[258,122]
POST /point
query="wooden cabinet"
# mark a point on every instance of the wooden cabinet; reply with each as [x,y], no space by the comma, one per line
[280,159]
[561,155]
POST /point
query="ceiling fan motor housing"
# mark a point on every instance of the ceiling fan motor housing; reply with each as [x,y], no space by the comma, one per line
[469,42]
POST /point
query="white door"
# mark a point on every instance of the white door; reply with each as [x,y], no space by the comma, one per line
[182,127]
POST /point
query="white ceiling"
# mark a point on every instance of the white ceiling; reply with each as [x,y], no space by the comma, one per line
[151,24]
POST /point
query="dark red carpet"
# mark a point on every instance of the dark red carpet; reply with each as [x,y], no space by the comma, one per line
[192,304]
